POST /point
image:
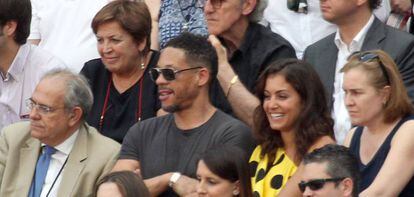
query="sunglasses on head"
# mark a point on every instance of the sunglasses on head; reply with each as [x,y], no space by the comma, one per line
[317,184]
[368,57]
[169,74]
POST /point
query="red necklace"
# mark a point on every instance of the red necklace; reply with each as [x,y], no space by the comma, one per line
[139,109]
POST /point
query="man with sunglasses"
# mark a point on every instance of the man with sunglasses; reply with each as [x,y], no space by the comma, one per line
[21,64]
[165,150]
[358,30]
[57,153]
[329,171]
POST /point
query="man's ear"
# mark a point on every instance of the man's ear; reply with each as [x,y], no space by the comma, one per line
[203,76]
[9,28]
[347,186]
[248,7]
[75,116]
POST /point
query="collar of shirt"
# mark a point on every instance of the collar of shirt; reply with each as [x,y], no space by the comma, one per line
[66,146]
[247,39]
[17,66]
[357,41]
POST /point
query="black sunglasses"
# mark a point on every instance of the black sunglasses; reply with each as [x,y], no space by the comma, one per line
[317,184]
[167,73]
[367,57]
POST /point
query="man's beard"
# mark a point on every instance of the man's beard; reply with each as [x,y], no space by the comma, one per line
[172,108]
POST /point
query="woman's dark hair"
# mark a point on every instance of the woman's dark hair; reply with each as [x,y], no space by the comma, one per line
[129,183]
[230,163]
[314,120]
[133,17]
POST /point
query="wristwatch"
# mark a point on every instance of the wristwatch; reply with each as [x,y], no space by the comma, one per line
[174,178]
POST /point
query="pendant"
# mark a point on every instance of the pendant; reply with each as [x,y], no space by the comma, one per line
[186,24]
[185,27]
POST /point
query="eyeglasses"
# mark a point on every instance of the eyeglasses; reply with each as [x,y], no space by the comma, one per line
[368,57]
[169,74]
[42,109]
[317,184]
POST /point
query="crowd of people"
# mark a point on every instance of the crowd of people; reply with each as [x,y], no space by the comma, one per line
[248,98]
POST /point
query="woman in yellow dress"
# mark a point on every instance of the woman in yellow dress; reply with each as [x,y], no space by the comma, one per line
[292,120]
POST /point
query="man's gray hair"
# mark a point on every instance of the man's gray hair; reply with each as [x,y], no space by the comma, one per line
[77,91]
[257,14]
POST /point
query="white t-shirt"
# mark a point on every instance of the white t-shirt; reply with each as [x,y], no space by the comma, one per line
[64,28]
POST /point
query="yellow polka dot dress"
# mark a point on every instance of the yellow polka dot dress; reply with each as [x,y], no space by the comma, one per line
[268,180]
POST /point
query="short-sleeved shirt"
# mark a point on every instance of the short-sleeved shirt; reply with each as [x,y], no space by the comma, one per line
[175,13]
[259,48]
[269,179]
[64,29]
[122,108]
[161,147]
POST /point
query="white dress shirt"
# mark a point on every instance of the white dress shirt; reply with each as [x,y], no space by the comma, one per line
[302,30]
[64,28]
[340,114]
[18,84]
[56,164]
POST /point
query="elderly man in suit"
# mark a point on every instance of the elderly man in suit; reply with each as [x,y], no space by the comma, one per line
[358,30]
[57,153]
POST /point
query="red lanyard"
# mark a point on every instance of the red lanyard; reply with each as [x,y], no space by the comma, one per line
[139,109]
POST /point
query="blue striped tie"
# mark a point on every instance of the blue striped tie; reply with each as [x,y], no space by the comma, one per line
[41,171]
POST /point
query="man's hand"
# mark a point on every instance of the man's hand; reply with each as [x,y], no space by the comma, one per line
[185,186]
[401,6]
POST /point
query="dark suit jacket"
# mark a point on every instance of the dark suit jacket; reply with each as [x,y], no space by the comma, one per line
[92,156]
[399,45]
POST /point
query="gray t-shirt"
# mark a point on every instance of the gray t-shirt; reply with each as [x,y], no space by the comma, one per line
[161,147]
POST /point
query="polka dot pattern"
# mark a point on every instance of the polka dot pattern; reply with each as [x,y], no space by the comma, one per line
[268,179]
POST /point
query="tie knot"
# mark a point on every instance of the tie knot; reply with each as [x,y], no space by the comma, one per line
[49,150]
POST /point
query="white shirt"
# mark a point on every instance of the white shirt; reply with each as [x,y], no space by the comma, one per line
[64,28]
[340,114]
[302,30]
[19,82]
[56,165]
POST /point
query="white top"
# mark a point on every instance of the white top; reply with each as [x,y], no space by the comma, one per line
[302,30]
[19,82]
[340,114]
[64,28]
[56,164]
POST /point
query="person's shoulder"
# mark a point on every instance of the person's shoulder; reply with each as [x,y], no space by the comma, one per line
[41,58]
[407,127]
[328,40]
[16,132]
[101,140]
[222,117]
[93,65]
[152,125]
[265,36]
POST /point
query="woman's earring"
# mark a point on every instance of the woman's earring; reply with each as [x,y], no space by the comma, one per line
[236,192]
[142,62]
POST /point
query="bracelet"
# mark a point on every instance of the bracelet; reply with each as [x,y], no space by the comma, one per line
[232,82]
[174,178]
